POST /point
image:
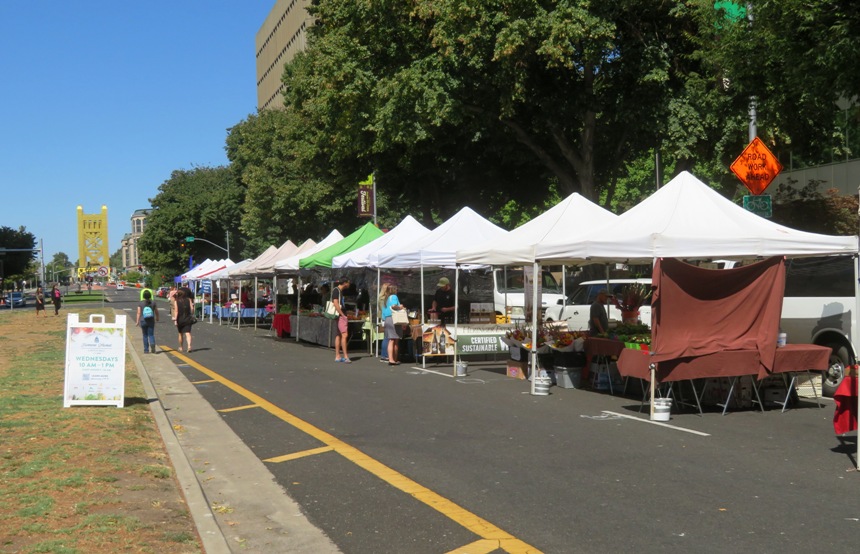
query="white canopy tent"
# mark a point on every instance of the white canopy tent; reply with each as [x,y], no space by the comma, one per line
[206,268]
[438,248]
[572,217]
[262,258]
[689,220]
[266,268]
[406,232]
[291,264]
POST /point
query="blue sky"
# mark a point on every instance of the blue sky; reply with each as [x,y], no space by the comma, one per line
[101,100]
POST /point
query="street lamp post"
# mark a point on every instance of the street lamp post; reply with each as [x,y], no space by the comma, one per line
[227,249]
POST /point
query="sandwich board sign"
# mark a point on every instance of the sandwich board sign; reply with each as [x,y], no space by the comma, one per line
[95,362]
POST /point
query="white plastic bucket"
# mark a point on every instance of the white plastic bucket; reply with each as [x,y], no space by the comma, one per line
[542,385]
[461,368]
[662,409]
[781,339]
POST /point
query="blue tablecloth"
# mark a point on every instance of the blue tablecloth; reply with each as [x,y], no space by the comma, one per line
[227,313]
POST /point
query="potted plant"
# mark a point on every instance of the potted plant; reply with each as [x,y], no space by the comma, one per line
[631,299]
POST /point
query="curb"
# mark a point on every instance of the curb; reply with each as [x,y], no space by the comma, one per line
[211,537]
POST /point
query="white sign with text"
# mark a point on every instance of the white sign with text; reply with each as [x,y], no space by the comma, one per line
[95,362]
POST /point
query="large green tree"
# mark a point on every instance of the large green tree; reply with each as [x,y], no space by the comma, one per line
[16,263]
[203,202]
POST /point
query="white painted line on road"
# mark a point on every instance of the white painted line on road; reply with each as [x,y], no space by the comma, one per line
[425,370]
[634,418]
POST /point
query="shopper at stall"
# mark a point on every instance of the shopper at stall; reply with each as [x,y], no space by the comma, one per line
[393,333]
[340,339]
[443,302]
[598,321]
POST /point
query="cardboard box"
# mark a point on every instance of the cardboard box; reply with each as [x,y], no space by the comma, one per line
[517,369]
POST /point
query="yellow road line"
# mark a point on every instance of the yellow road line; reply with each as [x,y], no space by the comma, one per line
[237,408]
[482,546]
[297,455]
[448,508]
[203,381]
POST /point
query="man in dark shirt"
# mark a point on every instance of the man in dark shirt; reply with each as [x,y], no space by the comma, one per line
[598,321]
[443,301]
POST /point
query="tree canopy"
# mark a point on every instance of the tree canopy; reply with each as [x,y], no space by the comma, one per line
[202,202]
[14,264]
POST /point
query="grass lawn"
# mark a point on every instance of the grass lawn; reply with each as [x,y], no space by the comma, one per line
[82,479]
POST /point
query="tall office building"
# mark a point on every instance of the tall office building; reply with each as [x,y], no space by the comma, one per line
[281,36]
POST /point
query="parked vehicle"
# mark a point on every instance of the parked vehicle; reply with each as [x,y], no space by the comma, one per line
[120,286]
[162,292]
[817,309]
[15,300]
[578,306]
[508,292]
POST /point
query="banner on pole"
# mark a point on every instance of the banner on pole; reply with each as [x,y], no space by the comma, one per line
[365,197]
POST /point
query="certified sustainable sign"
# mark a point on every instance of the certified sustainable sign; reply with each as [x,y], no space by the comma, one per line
[95,362]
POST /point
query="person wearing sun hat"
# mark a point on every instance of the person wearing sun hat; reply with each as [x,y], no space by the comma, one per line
[443,301]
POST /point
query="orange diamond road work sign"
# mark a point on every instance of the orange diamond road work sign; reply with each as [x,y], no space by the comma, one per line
[756,167]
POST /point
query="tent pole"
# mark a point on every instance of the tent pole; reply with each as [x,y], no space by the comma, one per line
[239,313]
[375,324]
[298,307]
[456,306]
[536,268]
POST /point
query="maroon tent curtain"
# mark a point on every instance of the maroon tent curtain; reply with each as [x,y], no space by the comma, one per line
[697,312]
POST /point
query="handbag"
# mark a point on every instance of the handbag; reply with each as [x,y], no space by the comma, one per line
[399,317]
[330,310]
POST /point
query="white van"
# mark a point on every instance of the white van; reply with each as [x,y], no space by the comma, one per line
[578,306]
[508,292]
[817,309]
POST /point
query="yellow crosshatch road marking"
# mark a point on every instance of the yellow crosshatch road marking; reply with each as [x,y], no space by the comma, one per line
[297,455]
[203,381]
[237,408]
[448,508]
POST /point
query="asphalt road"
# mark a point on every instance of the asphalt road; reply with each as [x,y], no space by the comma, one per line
[400,460]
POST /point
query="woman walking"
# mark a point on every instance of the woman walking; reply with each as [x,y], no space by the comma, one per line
[183,316]
[388,299]
[56,298]
[147,315]
[40,302]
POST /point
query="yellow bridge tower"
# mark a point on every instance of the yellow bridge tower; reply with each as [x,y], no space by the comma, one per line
[92,241]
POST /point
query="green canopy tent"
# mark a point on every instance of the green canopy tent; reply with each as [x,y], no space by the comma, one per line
[323,259]
[364,235]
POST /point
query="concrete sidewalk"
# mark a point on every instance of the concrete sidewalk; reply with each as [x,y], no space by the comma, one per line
[236,504]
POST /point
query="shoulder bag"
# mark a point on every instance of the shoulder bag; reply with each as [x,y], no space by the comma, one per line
[399,317]
[330,310]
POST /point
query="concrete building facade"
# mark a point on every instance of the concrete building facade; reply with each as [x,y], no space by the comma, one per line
[130,255]
[282,35]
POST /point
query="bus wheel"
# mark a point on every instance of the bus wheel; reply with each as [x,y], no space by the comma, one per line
[839,358]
